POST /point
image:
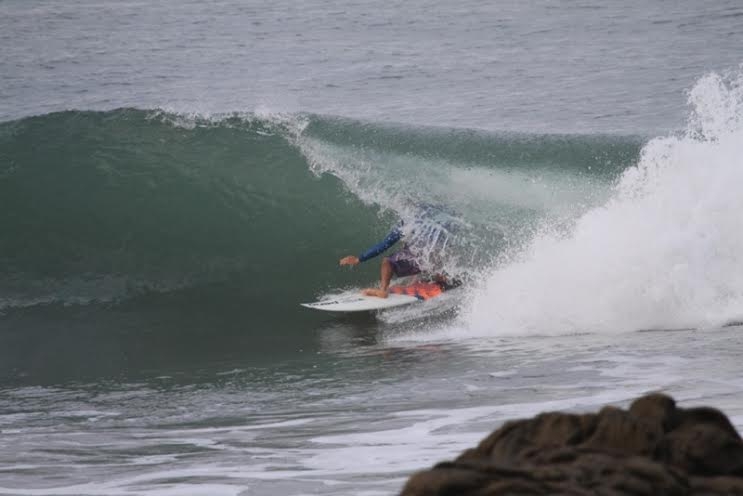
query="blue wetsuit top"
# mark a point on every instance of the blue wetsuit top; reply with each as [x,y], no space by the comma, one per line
[392,238]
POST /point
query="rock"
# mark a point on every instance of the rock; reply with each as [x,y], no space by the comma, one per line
[653,448]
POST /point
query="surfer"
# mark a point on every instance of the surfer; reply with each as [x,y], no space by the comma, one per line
[428,233]
[402,263]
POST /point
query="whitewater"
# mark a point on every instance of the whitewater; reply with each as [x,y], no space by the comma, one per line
[662,253]
[176,178]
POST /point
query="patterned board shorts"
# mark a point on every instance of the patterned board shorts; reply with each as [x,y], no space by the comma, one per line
[404,264]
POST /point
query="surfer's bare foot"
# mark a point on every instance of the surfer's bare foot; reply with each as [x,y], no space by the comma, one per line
[379,293]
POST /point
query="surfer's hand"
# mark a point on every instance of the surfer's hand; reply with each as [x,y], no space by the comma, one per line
[349,260]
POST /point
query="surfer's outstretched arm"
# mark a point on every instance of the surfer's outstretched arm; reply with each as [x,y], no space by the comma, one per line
[392,238]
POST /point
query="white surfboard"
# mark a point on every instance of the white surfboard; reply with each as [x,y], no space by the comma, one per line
[360,303]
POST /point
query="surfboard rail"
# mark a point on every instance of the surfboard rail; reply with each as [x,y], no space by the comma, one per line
[360,303]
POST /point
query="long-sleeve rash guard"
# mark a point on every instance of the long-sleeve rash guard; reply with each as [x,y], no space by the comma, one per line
[392,238]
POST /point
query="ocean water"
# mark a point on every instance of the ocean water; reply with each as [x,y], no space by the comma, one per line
[176,177]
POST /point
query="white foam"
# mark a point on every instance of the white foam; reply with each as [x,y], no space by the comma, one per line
[665,252]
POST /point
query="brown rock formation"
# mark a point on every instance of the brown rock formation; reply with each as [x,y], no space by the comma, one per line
[654,448]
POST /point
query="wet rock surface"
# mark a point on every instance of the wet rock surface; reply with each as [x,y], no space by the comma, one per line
[652,448]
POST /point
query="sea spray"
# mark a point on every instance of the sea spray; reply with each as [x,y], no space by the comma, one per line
[664,252]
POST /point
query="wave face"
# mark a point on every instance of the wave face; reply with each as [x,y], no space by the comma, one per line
[664,252]
[106,206]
